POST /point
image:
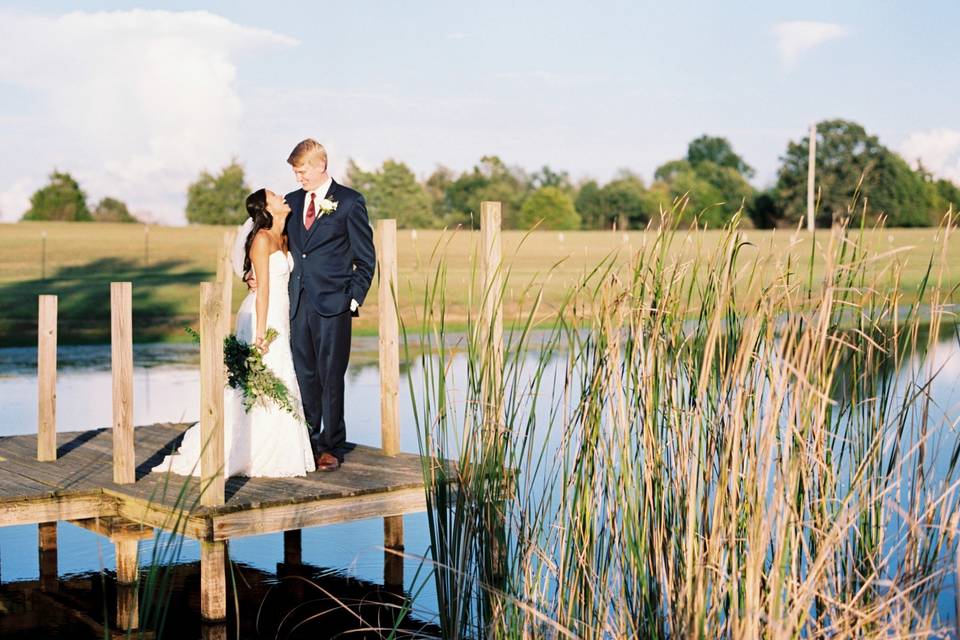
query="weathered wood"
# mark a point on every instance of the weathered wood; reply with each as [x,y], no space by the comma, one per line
[79,486]
[128,612]
[121,345]
[213,581]
[304,515]
[389,337]
[47,379]
[153,514]
[53,508]
[393,551]
[115,528]
[47,543]
[292,547]
[211,394]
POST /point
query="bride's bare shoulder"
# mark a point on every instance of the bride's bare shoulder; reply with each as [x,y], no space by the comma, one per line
[263,243]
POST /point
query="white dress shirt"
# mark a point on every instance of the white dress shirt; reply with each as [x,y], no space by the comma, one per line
[320,193]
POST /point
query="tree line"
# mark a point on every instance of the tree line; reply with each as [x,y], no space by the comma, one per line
[856,176]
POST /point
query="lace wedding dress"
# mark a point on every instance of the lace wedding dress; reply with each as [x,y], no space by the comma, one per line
[268,441]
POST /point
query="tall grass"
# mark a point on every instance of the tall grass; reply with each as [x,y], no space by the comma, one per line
[708,446]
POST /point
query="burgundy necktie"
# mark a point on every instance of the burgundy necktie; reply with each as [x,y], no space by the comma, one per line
[311,212]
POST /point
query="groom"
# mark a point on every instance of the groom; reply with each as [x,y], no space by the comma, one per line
[333,261]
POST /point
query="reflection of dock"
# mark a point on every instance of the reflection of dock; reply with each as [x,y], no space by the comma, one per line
[316,601]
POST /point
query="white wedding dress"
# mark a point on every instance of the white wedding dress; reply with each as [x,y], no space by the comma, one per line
[268,441]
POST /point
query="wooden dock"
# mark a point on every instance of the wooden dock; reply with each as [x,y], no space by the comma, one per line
[79,485]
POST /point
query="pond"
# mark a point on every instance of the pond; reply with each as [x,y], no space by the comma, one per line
[337,558]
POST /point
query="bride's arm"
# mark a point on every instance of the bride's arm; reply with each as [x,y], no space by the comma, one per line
[259,256]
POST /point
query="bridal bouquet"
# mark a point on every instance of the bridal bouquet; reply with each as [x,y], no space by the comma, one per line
[247,373]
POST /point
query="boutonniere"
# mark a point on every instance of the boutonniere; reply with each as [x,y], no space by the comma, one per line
[326,206]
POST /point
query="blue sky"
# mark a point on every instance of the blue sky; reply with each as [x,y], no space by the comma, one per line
[135,99]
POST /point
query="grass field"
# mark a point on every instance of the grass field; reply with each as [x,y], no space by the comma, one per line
[166,265]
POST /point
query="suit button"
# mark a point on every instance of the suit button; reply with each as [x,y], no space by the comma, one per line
[304,256]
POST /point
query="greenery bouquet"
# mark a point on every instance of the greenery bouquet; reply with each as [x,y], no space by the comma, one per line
[247,373]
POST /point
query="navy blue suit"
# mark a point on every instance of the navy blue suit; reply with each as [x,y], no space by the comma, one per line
[333,263]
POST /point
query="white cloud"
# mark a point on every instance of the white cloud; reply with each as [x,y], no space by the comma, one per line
[796,38]
[134,103]
[938,149]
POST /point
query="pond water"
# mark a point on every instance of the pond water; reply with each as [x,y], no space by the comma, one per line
[166,389]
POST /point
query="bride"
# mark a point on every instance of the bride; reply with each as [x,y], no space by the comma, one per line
[268,441]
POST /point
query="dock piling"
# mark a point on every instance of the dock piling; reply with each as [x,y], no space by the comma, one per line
[47,379]
[121,346]
[211,395]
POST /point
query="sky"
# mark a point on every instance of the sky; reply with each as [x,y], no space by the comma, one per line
[135,99]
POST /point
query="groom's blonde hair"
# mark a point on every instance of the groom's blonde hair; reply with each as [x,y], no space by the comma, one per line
[308,150]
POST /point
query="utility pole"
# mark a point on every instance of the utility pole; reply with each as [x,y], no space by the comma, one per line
[811,175]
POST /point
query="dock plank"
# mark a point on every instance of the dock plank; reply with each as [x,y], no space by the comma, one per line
[79,484]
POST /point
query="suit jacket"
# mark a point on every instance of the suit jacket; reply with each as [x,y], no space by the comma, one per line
[333,261]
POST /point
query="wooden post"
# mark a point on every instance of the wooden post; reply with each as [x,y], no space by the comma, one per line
[491,315]
[211,395]
[811,175]
[128,610]
[293,547]
[389,331]
[392,550]
[47,543]
[225,279]
[213,581]
[47,379]
[121,343]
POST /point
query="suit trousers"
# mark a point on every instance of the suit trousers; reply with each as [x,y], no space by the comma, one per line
[321,352]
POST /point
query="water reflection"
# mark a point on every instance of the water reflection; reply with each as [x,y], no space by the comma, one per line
[292,600]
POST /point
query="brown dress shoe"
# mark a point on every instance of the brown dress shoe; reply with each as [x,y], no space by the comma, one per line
[327,462]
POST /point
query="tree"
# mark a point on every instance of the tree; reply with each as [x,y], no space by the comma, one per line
[436,186]
[112,210]
[947,195]
[490,180]
[393,192]
[718,151]
[547,177]
[709,193]
[852,169]
[62,199]
[623,200]
[220,199]
[552,206]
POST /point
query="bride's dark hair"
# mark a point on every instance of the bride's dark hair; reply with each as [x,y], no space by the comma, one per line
[262,219]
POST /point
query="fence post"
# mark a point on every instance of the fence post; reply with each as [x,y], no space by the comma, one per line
[121,347]
[211,395]
[491,316]
[47,379]
[811,175]
[389,337]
